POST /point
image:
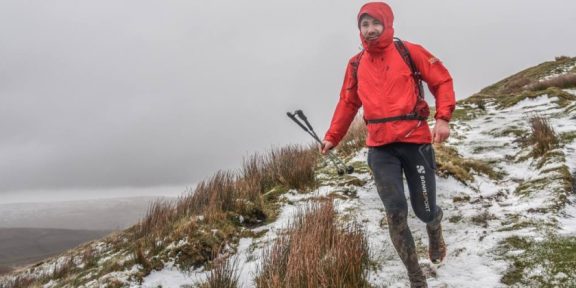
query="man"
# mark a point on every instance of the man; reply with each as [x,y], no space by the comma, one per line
[381,80]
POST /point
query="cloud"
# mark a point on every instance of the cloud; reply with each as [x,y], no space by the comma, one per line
[144,93]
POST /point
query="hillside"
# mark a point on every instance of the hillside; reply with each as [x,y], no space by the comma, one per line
[506,185]
[19,246]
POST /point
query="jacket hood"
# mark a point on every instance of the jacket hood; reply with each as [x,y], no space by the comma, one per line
[382,12]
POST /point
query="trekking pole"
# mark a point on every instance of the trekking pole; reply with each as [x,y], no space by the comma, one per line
[313,134]
[333,158]
[301,115]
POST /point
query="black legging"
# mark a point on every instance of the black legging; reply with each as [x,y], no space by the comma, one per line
[417,162]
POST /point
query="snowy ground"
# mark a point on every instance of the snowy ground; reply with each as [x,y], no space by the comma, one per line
[471,261]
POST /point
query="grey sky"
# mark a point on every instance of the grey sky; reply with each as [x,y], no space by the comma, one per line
[103,94]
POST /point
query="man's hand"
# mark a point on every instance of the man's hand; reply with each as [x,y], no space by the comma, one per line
[325,147]
[441,131]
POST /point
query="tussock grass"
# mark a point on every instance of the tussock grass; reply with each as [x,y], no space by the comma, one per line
[560,81]
[561,58]
[315,252]
[449,162]
[293,166]
[543,136]
[159,213]
[223,274]
[239,193]
[213,214]
[515,85]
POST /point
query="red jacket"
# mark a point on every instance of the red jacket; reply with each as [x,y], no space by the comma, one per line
[385,88]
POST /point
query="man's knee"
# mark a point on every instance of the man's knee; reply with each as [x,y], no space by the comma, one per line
[426,217]
[430,217]
[397,217]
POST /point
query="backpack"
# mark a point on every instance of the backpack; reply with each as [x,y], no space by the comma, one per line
[421,110]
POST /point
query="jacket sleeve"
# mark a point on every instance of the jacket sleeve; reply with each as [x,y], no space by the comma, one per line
[346,108]
[438,79]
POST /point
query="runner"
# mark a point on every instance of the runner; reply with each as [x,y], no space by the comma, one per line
[381,80]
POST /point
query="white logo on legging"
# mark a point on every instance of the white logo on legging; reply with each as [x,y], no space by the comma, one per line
[421,169]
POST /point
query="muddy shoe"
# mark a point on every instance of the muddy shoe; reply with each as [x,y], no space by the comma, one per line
[436,245]
[417,280]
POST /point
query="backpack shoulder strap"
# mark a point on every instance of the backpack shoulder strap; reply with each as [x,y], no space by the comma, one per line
[355,64]
[408,59]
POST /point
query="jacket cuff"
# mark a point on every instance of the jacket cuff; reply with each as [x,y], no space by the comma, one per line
[332,140]
[443,117]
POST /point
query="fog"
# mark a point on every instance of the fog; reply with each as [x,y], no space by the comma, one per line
[137,96]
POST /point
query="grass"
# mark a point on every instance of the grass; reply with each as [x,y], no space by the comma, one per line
[355,138]
[521,80]
[542,137]
[483,218]
[528,84]
[567,137]
[212,216]
[223,274]
[449,162]
[553,259]
[560,81]
[316,252]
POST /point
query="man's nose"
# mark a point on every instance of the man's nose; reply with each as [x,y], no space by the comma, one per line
[372,29]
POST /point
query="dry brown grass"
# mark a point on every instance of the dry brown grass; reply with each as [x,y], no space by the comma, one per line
[223,274]
[515,84]
[140,257]
[543,136]
[355,138]
[561,58]
[315,252]
[234,193]
[293,166]
[159,213]
[449,162]
[561,81]
[214,197]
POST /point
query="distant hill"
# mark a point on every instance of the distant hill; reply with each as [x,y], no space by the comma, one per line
[95,214]
[19,246]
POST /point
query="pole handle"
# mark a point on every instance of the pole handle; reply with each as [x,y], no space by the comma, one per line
[296,120]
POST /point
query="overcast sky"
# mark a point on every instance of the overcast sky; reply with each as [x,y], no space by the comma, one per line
[109,94]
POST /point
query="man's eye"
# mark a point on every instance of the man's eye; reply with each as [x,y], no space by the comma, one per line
[377,23]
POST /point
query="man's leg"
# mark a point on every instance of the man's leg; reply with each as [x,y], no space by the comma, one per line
[419,167]
[387,170]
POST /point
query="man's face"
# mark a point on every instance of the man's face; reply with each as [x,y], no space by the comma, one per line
[370,28]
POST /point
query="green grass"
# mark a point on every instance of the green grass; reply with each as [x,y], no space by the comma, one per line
[517,87]
[567,137]
[554,258]
[449,162]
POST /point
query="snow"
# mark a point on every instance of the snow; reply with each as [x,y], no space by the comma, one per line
[563,70]
[171,276]
[472,259]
